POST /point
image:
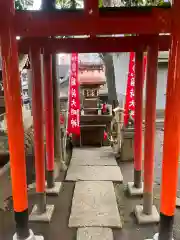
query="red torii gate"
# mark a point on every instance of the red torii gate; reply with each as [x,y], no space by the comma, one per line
[147,23]
[86,45]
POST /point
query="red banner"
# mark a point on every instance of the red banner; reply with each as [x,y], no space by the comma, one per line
[74,101]
[130,91]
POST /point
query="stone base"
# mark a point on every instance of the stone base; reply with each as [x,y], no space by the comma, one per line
[133,191]
[145,219]
[31,236]
[44,217]
[155,237]
[177,202]
[55,190]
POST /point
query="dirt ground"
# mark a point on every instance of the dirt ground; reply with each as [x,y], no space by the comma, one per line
[132,230]
[57,229]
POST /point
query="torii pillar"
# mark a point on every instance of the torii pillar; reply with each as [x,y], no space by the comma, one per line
[53,188]
[12,92]
[58,155]
[148,212]
[136,188]
[41,211]
[171,134]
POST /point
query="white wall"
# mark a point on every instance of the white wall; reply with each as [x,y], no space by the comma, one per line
[121,64]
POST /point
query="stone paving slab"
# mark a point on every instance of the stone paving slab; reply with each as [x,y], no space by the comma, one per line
[92,152]
[94,173]
[95,161]
[94,233]
[94,205]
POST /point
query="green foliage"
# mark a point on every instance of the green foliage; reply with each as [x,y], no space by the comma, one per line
[100,3]
[19,4]
[127,3]
[131,3]
[72,4]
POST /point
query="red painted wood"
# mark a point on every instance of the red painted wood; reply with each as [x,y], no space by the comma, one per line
[107,44]
[43,24]
[91,7]
[49,117]
[12,92]
[149,141]
[37,109]
[139,74]
[171,146]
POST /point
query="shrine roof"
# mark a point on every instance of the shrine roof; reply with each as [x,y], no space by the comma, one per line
[94,77]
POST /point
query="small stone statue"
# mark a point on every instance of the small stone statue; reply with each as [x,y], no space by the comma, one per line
[130,119]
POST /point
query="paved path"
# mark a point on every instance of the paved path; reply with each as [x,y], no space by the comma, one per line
[94,208]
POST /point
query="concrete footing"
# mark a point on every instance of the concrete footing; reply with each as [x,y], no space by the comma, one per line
[31,236]
[144,218]
[133,191]
[156,236]
[32,186]
[35,216]
[49,191]
[177,202]
[54,191]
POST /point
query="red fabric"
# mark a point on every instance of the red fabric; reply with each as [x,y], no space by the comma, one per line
[105,135]
[130,90]
[104,108]
[130,100]
[145,63]
[61,119]
[74,101]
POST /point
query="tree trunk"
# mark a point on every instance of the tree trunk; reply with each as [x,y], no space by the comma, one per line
[110,79]
[109,70]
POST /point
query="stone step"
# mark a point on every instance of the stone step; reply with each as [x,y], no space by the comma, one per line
[94,173]
[94,205]
[83,160]
[94,233]
[92,152]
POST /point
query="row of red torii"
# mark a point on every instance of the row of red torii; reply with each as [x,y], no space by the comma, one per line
[35,28]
